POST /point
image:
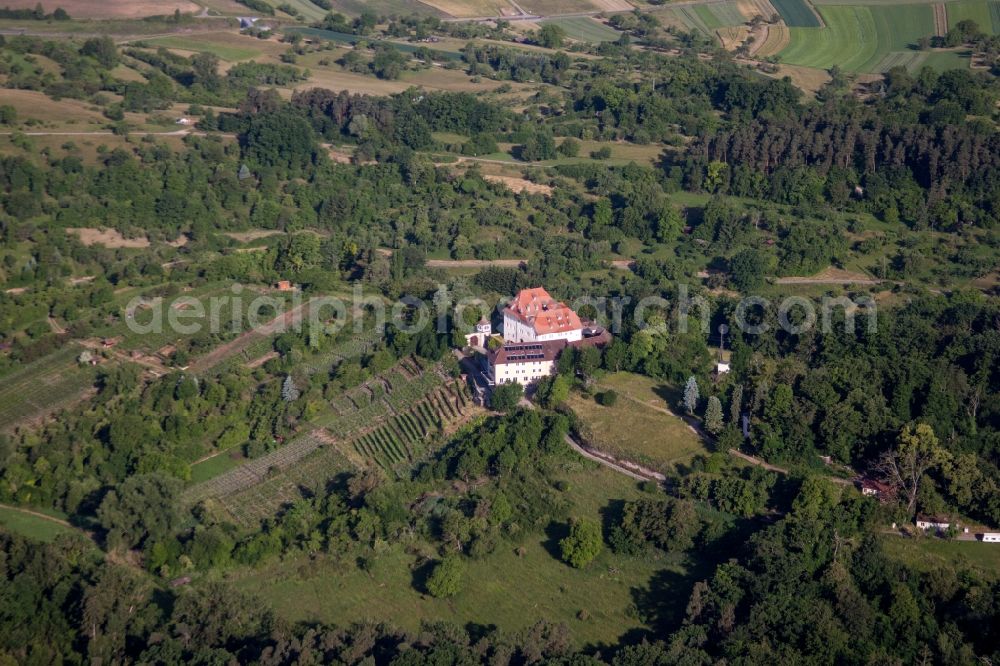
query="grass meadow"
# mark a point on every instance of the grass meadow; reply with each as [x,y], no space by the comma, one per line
[611,596]
[227,45]
[652,437]
[929,553]
[31,526]
[986,13]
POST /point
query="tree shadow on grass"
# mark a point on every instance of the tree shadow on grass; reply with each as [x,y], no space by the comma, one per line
[554,533]
[662,603]
[420,573]
[670,395]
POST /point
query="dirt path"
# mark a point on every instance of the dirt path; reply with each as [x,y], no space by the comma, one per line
[56,327]
[233,347]
[631,469]
[940,20]
[474,263]
[37,514]
[804,280]
[52,519]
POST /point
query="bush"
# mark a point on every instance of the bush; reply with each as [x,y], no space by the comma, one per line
[446,579]
[570,147]
[583,544]
[506,396]
[602,153]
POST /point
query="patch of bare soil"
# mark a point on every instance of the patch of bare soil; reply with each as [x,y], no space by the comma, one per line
[111,238]
[830,275]
[520,184]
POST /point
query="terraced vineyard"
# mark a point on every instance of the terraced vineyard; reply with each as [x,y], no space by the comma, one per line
[389,393]
[402,439]
[251,505]
[43,386]
[255,471]
[389,422]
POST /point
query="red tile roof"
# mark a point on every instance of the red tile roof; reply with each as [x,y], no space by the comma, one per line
[542,312]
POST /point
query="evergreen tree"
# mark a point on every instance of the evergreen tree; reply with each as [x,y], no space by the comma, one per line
[691,395]
[736,405]
[713,416]
[289,391]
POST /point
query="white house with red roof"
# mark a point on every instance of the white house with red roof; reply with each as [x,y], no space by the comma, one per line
[534,316]
[536,330]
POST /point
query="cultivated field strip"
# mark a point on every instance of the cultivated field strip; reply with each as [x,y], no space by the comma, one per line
[43,386]
[393,444]
[255,471]
[249,506]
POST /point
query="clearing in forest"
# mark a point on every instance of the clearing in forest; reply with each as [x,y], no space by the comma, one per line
[519,184]
[110,238]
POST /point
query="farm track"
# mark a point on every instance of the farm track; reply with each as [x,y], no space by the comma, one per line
[474,263]
[233,347]
[940,19]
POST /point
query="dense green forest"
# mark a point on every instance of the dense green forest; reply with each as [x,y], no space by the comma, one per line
[754,181]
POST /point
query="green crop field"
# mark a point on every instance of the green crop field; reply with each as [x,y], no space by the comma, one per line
[726,13]
[796,13]
[857,38]
[305,8]
[227,46]
[697,18]
[584,29]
